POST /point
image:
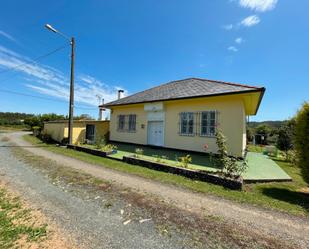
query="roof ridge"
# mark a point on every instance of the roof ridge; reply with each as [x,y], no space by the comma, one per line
[228,83]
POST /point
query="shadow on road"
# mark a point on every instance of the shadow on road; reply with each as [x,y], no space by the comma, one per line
[293,197]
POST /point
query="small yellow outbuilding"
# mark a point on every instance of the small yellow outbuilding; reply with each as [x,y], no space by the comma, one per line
[83,130]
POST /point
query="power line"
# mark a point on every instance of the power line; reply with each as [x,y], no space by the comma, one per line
[34,60]
[44,98]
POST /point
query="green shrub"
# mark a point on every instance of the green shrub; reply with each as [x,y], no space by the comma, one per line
[36,130]
[285,138]
[139,152]
[302,140]
[109,147]
[230,166]
[46,138]
[185,160]
[65,141]
[100,142]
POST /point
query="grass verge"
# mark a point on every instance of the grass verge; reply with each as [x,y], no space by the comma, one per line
[287,197]
[17,223]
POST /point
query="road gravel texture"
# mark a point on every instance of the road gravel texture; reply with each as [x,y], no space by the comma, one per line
[97,227]
[83,217]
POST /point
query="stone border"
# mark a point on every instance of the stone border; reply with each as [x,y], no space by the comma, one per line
[189,173]
[89,150]
[192,174]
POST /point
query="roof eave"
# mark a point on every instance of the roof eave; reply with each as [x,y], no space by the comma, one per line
[262,90]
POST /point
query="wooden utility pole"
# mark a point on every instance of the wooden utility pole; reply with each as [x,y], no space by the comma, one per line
[71,107]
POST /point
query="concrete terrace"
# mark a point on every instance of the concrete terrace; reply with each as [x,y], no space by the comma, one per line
[262,168]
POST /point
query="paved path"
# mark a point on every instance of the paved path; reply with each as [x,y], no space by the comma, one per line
[261,167]
[270,223]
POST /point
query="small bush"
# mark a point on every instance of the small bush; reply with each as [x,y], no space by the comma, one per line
[46,138]
[65,141]
[109,148]
[100,142]
[139,152]
[231,166]
[36,130]
[302,140]
[185,160]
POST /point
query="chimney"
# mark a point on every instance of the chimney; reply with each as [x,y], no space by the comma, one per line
[101,110]
[120,94]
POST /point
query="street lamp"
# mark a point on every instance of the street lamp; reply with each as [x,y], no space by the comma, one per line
[71,105]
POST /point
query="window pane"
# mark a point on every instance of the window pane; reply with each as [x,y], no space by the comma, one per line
[186,122]
[212,122]
[212,130]
[208,123]
[132,122]
[121,122]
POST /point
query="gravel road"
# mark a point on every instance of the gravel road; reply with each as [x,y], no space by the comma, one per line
[106,230]
[87,221]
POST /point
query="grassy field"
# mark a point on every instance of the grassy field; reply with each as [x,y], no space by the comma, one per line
[16,223]
[287,197]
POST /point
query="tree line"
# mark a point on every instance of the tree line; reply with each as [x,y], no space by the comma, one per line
[31,120]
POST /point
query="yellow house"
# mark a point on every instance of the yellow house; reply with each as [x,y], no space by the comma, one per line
[82,130]
[185,114]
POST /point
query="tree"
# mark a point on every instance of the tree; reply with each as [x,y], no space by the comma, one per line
[39,120]
[302,140]
[263,130]
[285,138]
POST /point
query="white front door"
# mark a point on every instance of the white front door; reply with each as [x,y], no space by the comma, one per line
[155,133]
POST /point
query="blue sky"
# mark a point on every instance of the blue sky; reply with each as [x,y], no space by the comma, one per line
[135,45]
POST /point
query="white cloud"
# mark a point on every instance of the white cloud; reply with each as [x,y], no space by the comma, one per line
[50,81]
[258,5]
[239,40]
[7,36]
[250,21]
[232,48]
[228,26]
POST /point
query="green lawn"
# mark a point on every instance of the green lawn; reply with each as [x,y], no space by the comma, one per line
[279,196]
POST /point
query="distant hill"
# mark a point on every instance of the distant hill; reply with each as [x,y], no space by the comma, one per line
[272,124]
[13,118]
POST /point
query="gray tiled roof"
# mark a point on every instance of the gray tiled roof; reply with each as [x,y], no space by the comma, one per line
[180,89]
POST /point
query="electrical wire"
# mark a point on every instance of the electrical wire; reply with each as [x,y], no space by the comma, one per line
[44,98]
[34,60]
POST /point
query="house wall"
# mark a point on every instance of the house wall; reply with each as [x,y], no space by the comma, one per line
[59,130]
[138,137]
[55,130]
[231,120]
